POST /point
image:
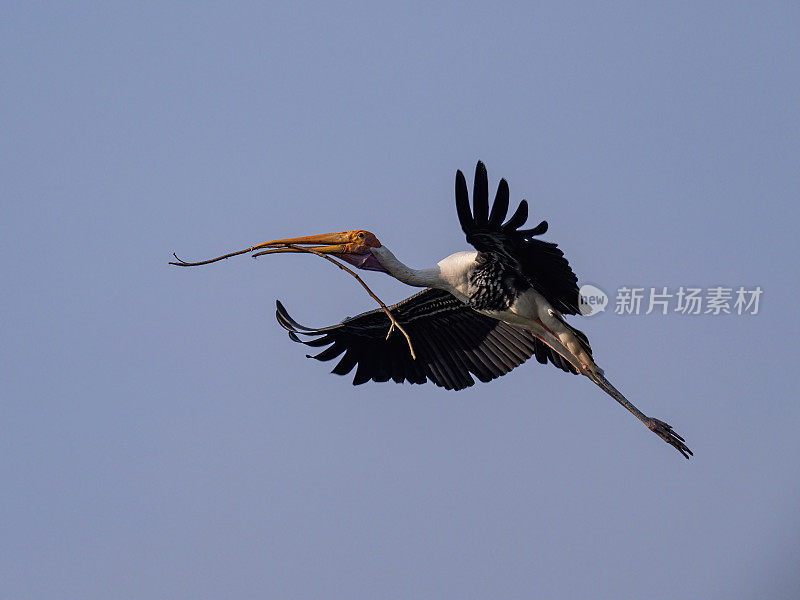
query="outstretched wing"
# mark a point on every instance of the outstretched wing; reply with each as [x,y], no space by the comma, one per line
[452,343]
[541,263]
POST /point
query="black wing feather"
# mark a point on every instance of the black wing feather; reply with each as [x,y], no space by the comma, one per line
[462,203]
[453,343]
[518,219]
[500,206]
[542,264]
[480,197]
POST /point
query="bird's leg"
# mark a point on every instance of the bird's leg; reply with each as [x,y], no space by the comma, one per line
[588,368]
[547,337]
[660,428]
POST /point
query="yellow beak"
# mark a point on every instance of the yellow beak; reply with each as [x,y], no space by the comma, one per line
[343,243]
[325,243]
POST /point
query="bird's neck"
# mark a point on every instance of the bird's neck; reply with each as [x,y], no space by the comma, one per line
[431,277]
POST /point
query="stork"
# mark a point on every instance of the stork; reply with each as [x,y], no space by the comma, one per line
[482,313]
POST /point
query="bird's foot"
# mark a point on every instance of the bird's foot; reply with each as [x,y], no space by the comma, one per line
[665,432]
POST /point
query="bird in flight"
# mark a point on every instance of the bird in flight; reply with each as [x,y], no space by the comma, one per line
[482,313]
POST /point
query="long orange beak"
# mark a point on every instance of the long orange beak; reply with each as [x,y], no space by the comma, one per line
[351,246]
[326,243]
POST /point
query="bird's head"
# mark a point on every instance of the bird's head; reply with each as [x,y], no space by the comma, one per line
[352,246]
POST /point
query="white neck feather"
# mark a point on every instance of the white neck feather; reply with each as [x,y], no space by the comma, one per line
[431,277]
[451,274]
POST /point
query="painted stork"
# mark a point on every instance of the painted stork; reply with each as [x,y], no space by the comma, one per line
[482,313]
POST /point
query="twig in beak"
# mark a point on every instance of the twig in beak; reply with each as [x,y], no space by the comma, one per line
[183,263]
[393,322]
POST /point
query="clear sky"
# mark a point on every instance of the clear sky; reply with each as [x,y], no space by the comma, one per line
[162,438]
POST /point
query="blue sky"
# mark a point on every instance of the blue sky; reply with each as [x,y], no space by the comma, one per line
[161,437]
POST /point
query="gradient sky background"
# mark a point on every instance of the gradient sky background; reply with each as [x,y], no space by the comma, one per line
[160,435]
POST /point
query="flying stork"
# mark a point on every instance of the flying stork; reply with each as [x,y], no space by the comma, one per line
[482,313]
